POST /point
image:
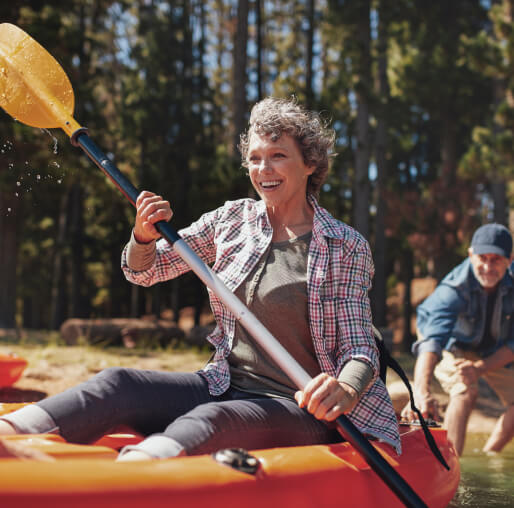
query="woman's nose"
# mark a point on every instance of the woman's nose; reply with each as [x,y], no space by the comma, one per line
[264,165]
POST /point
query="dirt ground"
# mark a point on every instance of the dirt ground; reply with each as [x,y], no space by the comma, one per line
[52,369]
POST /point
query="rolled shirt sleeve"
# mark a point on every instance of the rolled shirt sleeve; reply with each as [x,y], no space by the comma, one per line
[436,318]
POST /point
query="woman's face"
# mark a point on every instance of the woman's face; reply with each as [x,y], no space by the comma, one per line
[277,170]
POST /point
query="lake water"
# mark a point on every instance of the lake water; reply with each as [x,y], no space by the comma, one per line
[486,481]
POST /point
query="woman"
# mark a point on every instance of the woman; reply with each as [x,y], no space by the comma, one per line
[304,274]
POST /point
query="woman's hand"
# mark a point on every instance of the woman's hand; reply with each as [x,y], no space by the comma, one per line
[150,209]
[326,398]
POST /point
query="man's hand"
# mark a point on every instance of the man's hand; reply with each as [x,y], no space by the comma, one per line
[423,397]
[326,398]
[426,403]
[467,372]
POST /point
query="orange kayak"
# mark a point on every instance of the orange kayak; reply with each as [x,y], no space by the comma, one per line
[306,476]
[11,369]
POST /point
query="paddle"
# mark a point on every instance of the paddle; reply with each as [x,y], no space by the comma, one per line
[35,90]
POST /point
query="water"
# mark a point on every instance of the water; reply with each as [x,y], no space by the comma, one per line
[54,139]
[486,481]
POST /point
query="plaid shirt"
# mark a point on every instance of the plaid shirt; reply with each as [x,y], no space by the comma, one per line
[232,238]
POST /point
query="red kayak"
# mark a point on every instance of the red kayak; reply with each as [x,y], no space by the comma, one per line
[322,476]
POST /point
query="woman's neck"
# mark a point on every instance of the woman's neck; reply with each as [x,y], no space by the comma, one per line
[290,225]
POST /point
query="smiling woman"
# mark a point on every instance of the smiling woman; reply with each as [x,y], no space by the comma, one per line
[302,273]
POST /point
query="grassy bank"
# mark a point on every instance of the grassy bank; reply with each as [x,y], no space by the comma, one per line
[53,366]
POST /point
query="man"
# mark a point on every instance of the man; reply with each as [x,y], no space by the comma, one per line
[465,332]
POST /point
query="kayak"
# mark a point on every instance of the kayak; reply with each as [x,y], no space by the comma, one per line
[11,369]
[305,476]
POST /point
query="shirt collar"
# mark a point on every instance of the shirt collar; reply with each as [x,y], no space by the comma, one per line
[323,224]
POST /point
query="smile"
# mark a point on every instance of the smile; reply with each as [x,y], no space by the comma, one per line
[271,184]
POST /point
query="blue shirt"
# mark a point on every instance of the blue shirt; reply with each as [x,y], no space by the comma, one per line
[455,314]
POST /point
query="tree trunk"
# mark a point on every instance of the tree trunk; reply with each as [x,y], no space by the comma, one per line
[58,295]
[78,305]
[258,29]
[379,293]
[448,149]
[499,195]
[137,301]
[309,92]
[361,191]
[9,221]
[443,260]
[498,185]
[239,74]
[407,276]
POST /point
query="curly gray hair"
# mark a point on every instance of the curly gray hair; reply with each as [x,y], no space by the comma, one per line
[273,117]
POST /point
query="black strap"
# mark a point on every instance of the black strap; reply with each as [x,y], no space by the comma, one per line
[391,362]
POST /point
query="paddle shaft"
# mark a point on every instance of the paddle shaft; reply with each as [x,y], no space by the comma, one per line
[281,356]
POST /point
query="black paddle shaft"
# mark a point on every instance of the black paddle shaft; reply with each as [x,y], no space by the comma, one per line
[346,428]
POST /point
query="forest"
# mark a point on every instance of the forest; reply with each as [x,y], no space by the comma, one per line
[421,95]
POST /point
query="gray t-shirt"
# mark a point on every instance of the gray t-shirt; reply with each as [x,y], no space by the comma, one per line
[276,292]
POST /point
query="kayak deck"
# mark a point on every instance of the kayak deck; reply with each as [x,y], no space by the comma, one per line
[305,476]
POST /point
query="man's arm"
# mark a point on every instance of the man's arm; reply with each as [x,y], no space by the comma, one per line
[471,371]
[498,359]
[423,372]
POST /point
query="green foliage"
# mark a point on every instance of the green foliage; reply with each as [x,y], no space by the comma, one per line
[489,156]
[152,81]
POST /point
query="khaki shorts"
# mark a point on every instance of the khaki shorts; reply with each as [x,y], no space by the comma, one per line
[500,380]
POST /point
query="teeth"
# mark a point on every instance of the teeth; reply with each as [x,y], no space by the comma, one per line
[273,183]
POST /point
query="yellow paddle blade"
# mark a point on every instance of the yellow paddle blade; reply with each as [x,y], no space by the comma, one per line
[34,89]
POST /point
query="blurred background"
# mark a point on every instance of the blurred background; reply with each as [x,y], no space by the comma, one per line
[420,94]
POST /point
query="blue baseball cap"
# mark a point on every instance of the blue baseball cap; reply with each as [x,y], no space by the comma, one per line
[492,239]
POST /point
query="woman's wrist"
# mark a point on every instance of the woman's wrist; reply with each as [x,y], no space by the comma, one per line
[141,239]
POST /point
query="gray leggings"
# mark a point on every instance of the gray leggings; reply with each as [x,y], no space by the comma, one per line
[180,415]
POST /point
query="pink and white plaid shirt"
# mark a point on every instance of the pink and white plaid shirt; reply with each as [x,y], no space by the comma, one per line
[232,238]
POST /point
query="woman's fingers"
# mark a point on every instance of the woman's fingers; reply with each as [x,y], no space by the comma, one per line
[151,208]
[325,398]
[310,395]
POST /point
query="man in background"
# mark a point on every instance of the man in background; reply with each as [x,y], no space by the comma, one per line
[465,332]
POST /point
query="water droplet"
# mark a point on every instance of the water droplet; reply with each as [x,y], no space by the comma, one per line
[16,194]
[9,209]
[53,137]
[18,183]
[38,177]
[59,181]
